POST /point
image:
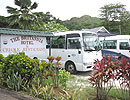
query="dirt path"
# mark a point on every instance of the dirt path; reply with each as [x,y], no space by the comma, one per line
[4,96]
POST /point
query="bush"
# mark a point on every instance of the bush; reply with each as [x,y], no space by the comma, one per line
[63,77]
[106,72]
[18,63]
[21,64]
[15,81]
[1,69]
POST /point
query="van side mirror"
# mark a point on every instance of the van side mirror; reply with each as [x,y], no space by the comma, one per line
[48,46]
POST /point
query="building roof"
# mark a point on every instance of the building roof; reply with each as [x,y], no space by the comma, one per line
[101,31]
[24,32]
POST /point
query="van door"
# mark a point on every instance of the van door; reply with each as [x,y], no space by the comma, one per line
[74,52]
[124,48]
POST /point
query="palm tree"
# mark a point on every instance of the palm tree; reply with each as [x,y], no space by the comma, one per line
[22,17]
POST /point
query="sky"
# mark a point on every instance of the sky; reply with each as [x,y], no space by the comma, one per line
[66,9]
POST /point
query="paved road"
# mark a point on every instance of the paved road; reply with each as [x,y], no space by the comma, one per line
[4,96]
[83,75]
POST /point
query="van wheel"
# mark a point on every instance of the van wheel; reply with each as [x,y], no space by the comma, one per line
[70,67]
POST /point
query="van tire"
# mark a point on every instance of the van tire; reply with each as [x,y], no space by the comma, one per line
[70,67]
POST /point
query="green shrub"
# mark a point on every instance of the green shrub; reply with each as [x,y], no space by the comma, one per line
[63,77]
[14,81]
[18,63]
[1,59]
[24,65]
[1,68]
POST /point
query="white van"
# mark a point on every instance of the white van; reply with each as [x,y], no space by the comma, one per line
[78,49]
[118,46]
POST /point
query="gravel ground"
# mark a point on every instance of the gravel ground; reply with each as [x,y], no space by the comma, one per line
[79,80]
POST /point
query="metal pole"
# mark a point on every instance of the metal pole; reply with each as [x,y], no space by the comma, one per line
[50,47]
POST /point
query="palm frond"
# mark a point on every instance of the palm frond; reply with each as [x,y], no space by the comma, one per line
[25,4]
[34,6]
[17,2]
[11,10]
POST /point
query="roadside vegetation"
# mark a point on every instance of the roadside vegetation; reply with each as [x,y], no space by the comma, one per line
[108,81]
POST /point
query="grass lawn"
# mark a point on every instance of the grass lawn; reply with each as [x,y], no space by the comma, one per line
[87,92]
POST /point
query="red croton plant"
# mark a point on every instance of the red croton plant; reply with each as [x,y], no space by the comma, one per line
[123,72]
[103,70]
[106,71]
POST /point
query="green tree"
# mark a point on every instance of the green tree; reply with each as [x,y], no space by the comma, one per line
[83,22]
[22,17]
[125,23]
[114,18]
[47,17]
[50,26]
[3,22]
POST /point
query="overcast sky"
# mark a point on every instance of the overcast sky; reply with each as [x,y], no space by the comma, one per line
[66,9]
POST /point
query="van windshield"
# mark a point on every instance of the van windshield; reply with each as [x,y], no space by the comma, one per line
[91,43]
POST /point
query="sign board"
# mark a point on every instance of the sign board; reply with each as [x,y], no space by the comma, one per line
[33,46]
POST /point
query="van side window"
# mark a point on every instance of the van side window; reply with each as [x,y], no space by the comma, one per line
[74,44]
[101,43]
[110,44]
[124,46]
[58,42]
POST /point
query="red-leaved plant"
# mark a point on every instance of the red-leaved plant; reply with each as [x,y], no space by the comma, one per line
[123,76]
[106,72]
[101,76]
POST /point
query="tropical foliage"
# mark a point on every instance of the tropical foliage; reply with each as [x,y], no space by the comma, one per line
[38,78]
[84,22]
[107,72]
[23,17]
[115,18]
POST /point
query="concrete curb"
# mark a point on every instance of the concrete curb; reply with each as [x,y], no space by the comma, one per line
[17,95]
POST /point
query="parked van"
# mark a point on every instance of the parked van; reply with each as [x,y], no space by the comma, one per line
[78,49]
[118,46]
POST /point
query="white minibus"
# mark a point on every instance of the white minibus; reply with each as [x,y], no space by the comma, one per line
[116,46]
[78,49]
